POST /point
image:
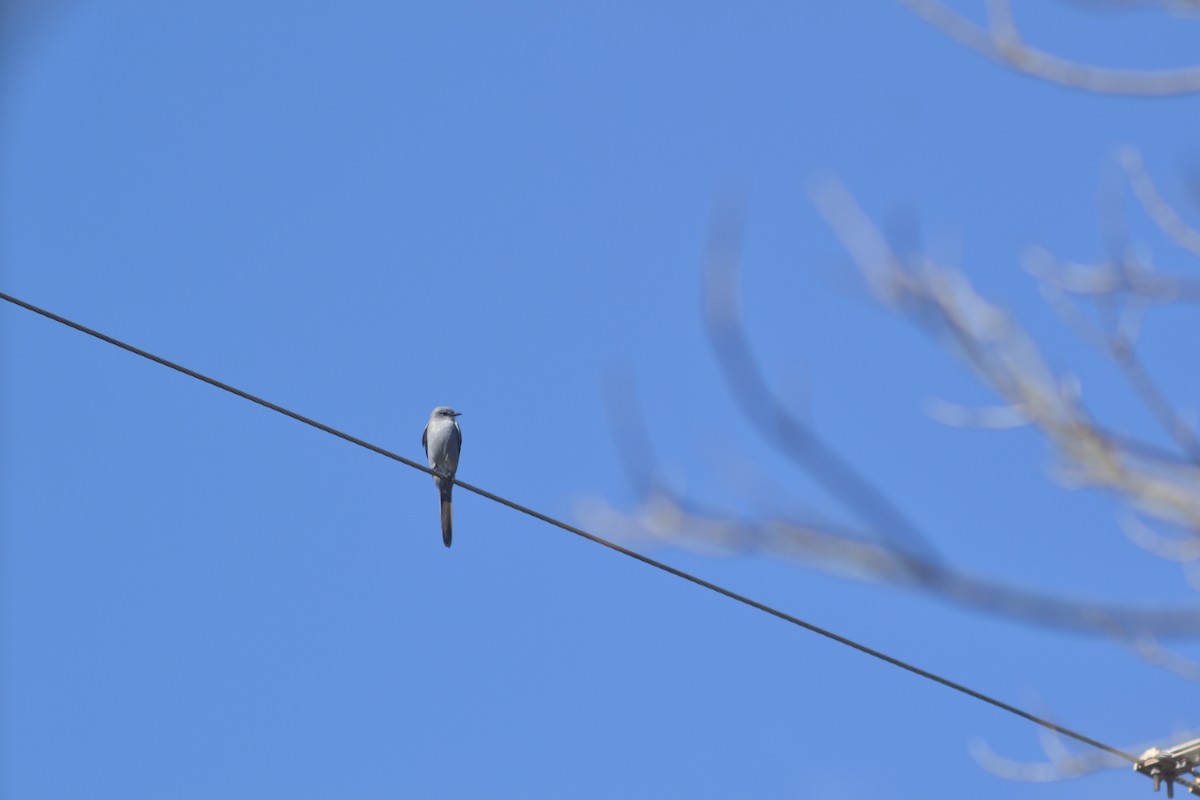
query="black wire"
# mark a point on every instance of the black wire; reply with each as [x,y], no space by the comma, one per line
[732,595]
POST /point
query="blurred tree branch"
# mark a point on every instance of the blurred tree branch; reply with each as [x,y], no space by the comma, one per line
[1001,41]
[943,302]
[1179,8]
[883,544]
[1159,483]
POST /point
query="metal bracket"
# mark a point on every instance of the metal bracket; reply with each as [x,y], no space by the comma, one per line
[1179,764]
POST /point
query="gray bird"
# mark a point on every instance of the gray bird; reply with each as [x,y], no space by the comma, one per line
[442,441]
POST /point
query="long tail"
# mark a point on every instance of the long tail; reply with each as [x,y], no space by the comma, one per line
[445,488]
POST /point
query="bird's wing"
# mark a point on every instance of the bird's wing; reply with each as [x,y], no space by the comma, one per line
[425,440]
[457,436]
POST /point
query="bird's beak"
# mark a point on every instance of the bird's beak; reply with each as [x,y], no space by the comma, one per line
[458,413]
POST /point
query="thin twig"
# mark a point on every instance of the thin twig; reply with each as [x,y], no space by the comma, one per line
[1158,209]
[1002,43]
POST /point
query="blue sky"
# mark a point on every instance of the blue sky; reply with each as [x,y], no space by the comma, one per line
[365,210]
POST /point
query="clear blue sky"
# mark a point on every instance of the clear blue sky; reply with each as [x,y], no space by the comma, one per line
[363,210]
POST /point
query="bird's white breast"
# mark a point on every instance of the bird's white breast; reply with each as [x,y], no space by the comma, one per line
[442,444]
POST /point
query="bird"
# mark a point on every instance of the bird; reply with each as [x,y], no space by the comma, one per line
[442,441]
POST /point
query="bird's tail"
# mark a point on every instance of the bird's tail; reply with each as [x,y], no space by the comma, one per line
[447,527]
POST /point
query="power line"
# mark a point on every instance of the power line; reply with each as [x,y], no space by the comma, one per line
[678,573]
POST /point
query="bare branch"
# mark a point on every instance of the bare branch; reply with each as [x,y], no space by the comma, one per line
[1128,276]
[1179,8]
[1002,43]
[1119,348]
[1061,762]
[991,417]
[1135,372]
[1008,360]
[1147,648]
[1060,768]
[1158,209]
[777,426]
[1181,551]
[1104,283]
[665,517]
